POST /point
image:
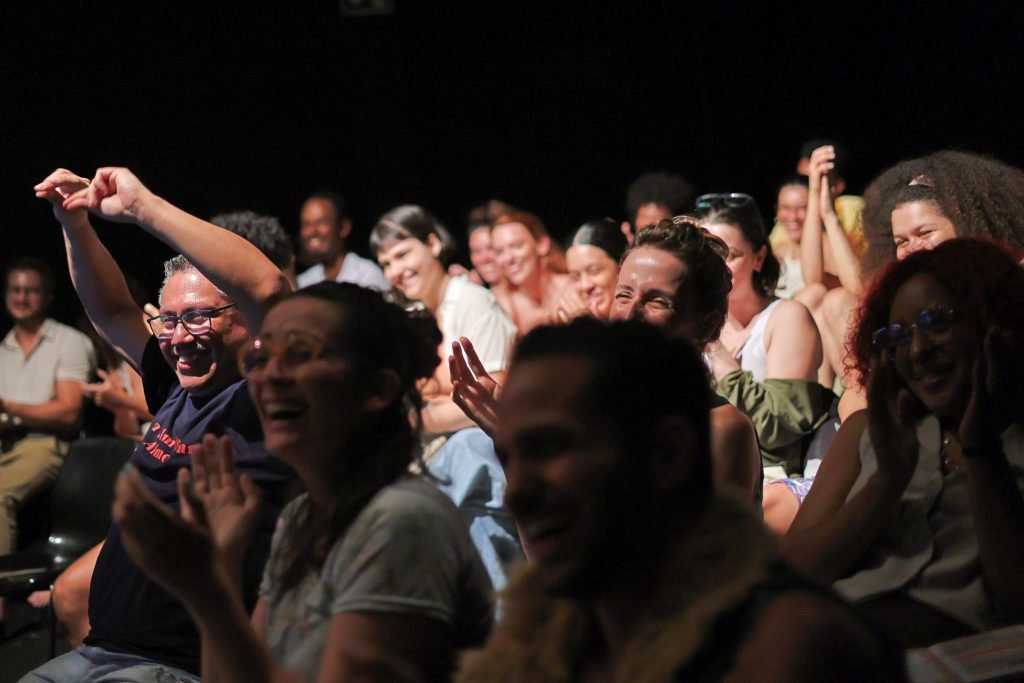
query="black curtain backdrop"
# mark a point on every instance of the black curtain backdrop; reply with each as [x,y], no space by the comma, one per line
[554,107]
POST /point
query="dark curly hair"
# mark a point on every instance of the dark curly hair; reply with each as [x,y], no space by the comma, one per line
[984,277]
[748,219]
[265,232]
[663,189]
[979,195]
[708,280]
[384,336]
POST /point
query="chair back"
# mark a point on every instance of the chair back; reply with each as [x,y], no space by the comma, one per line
[83,493]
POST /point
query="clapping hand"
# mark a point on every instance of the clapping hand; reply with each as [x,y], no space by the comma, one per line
[219,512]
[473,389]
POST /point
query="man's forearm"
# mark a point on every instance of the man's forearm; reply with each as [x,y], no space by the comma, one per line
[231,262]
[52,416]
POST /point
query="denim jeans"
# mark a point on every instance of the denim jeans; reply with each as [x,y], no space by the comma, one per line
[90,664]
[468,471]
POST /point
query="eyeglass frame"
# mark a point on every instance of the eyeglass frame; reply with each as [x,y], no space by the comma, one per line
[279,349]
[732,200]
[208,313]
[908,330]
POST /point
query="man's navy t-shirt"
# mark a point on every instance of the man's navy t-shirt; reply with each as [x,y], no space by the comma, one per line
[128,612]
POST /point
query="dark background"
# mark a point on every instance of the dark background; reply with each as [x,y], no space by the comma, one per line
[221,106]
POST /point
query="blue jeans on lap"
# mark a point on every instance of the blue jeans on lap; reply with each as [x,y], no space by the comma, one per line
[90,664]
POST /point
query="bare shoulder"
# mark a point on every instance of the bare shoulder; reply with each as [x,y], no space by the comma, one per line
[805,636]
[790,312]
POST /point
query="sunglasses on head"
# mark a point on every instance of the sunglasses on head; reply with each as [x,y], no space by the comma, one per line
[732,200]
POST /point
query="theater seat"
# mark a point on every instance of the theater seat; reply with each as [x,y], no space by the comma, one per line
[79,512]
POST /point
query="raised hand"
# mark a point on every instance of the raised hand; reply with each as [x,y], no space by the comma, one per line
[821,163]
[230,504]
[473,389]
[892,414]
[57,187]
[114,194]
[177,553]
[994,391]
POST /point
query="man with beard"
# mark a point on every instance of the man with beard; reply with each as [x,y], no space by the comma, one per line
[323,230]
[639,570]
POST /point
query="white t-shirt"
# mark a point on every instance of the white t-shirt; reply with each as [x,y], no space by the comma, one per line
[354,269]
[408,552]
[468,310]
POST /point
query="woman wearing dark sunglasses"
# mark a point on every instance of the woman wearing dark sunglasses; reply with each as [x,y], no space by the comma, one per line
[766,360]
[916,511]
[372,574]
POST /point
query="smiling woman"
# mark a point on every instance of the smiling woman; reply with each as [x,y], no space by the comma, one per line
[411,246]
[917,508]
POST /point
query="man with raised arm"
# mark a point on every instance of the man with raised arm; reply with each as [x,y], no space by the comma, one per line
[213,293]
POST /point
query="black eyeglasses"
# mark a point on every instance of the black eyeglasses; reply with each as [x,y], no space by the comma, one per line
[732,200]
[291,351]
[936,324]
[197,322]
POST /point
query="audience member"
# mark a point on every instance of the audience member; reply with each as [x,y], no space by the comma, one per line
[767,358]
[673,275]
[411,246]
[639,571]
[790,212]
[212,293]
[324,228]
[917,510]
[653,197]
[43,365]
[975,195]
[372,575]
[593,260]
[522,247]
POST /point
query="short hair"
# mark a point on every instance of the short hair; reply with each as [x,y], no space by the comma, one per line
[983,276]
[639,375]
[979,195]
[530,221]
[180,264]
[603,234]
[34,264]
[792,181]
[265,232]
[707,280]
[335,198]
[411,221]
[664,189]
[748,219]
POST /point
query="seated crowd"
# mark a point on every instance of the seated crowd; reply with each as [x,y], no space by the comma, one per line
[690,446]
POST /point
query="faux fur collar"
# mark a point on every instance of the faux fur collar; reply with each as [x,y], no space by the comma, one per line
[714,569]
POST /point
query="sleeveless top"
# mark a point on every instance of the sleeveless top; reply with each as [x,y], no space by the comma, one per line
[753,355]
